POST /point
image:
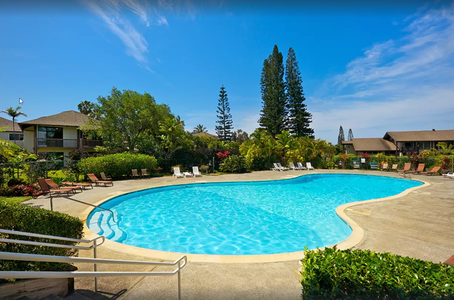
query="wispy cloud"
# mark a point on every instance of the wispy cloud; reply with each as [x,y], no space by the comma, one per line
[400,84]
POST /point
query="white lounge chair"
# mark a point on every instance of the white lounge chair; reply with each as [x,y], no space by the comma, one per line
[309,166]
[292,166]
[449,174]
[276,167]
[177,173]
[300,165]
[282,168]
[196,172]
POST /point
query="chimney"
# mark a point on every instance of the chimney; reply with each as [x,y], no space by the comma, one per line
[433,129]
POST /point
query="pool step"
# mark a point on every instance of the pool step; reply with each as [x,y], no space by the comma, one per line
[103,224]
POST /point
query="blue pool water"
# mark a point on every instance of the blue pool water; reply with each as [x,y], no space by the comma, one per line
[241,218]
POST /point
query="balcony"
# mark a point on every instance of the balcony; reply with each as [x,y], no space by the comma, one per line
[67,143]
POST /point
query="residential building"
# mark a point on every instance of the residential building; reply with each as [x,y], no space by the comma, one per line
[400,142]
[11,132]
[57,134]
[370,146]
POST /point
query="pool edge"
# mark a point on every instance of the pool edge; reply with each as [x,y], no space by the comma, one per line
[354,239]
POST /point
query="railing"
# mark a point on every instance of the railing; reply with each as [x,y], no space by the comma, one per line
[51,237]
[179,263]
[91,143]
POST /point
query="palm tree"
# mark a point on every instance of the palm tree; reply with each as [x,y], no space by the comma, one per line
[14,113]
[200,129]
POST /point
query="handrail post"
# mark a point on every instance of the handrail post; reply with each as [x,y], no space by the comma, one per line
[179,280]
[51,202]
[95,266]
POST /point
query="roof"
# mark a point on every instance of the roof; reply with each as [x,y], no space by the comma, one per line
[205,134]
[373,144]
[420,136]
[7,125]
[68,118]
[347,142]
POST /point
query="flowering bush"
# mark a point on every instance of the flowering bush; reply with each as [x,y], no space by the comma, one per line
[223,155]
[21,190]
[365,155]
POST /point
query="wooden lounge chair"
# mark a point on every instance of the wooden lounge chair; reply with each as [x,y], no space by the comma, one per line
[97,182]
[419,170]
[104,177]
[434,170]
[135,174]
[55,186]
[81,184]
[46,190]
[144,173]
[406,168]
[394,167]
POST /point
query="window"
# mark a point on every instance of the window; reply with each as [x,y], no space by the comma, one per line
[425,145]
[16,137]
[50,132]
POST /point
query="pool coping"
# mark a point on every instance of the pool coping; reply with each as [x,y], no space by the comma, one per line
[354,239]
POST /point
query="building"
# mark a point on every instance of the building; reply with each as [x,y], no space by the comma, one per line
[400,142]
[11,132]
[418,141]
[57,134]
[370,146]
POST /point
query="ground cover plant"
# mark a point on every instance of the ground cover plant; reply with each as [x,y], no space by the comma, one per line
[36,220]
[364,274]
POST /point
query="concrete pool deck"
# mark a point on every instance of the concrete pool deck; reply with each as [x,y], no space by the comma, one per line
[419,224]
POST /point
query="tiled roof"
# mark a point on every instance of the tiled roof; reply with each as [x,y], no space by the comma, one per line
[68,118]
[7,125]
[373,144]
[420,136]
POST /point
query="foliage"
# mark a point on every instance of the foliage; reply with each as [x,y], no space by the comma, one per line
[128,119]
[446,150]
[350,135]
[204,168]
[15,181]
[117,165]
[14,113]
[446,163]
[200,129]
[364,274]
[36,220]
[175,142]
[273,116]
[15,200]
[182,169]
[299,118]
[240,136]
[224,129]
[21,190]
[340,137]
[234,164]
[222,155]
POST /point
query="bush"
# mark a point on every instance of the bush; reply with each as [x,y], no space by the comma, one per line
[37,220]
[364,274]
[15,181]
[117,165]
[234,164]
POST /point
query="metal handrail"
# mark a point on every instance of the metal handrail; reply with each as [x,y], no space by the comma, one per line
[83,202]
[37,235]
[180,263]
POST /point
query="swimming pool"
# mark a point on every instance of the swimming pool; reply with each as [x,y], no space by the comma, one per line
[241,218]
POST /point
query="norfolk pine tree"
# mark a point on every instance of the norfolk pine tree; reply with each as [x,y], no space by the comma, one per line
[224,129]
[273,116]
[350,135]
[299,117]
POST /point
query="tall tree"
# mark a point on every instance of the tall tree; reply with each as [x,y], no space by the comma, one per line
[340,137]
[299,118]
[86,107]
[225,127]
[273,116]
[14,113]
[350,135]
[199,129]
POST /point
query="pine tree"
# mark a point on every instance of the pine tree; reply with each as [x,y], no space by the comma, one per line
[341,136]
[273,115]
[224,129]
[299,118]
[350,134]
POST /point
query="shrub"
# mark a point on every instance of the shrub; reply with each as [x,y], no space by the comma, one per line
[234,164]
[15,181]
[204,168]
[37,220]
[364,274]
[117,165]
[182,169]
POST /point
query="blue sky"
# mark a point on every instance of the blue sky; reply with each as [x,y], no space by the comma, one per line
[384,66]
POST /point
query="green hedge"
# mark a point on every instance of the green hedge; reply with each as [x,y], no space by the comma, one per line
[37,220]
[358,274]
[234,164]
[117,165]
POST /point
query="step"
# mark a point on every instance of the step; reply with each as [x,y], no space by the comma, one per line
[77,296]
[94,222]
[104,224]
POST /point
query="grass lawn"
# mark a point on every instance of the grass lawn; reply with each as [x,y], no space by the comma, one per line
[15,199]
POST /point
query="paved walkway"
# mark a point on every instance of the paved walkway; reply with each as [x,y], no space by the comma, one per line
[418,225]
